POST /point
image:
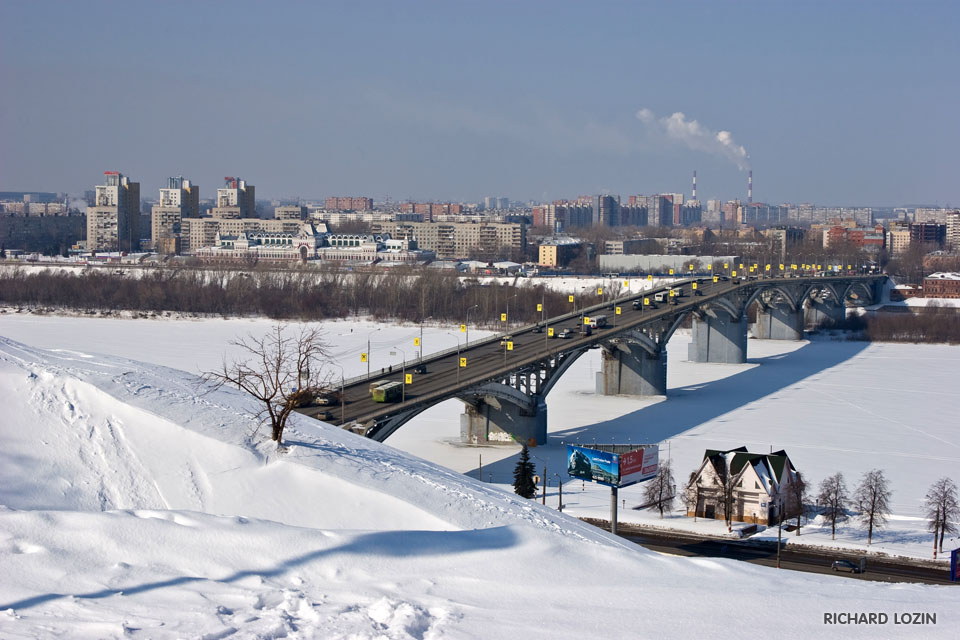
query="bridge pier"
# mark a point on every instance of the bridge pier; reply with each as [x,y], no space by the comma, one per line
[718,337]
[489,420]
[825,313]
[779,322]
[628,368]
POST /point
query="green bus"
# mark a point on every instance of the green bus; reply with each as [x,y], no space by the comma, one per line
[387,392]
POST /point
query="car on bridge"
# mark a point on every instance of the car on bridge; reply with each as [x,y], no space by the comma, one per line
[564,334]
[505,339]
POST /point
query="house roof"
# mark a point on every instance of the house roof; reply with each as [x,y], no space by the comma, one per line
[766,464]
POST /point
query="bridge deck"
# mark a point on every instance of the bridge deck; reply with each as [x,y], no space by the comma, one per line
[488,360]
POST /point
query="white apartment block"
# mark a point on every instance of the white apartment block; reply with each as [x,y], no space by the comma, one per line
[113,222]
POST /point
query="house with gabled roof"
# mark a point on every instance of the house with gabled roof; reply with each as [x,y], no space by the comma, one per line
[760,485]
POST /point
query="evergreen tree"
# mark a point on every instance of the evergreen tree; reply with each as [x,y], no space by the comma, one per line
[523,476]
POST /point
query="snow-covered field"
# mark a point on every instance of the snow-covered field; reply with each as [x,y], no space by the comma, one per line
[134,505]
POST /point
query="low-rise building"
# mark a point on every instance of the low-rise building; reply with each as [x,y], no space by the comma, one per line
[942,285]
[760,486]
[558,252]
[265,245]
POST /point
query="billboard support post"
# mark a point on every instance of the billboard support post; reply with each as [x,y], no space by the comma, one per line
[613,510]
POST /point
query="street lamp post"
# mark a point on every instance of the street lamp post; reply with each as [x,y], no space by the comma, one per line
[779,526]
[403,374]
[467,325]
[368,349]
[457,363]
[560,492]
[342,396]
[421,336]
[507,324]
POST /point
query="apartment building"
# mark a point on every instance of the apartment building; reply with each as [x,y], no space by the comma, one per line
[180,199]
[113,221]
[236,199]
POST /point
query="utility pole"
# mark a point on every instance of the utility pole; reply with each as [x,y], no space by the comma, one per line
[544,502]
[779,526]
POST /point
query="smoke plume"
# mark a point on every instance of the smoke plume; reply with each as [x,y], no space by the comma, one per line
[695,136]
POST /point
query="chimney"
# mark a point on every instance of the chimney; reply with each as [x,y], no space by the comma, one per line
[750,187]
[694,197]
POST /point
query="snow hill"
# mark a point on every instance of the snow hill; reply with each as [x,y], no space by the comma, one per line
[134,503]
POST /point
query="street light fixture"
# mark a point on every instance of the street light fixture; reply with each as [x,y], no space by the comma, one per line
[421,336]
[343,398]
[457,362]
[368,350]
[403,374]
[560,490]
[467,325]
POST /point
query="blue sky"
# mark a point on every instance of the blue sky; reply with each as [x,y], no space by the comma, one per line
[834,102]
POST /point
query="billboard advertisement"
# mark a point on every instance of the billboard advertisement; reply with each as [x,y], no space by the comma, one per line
[613,465]
[637,466]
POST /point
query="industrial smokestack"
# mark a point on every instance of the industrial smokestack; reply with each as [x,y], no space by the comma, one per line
[750,187]
[694,185]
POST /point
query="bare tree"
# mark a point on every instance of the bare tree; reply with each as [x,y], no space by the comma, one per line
[280,371]
[797,497]
[660,492]
[872,498]
[692,493]
[724,484]
[943,510]
[832,499]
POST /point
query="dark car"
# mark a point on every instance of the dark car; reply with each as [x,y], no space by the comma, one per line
[420,368]
[845,565]
[538,329]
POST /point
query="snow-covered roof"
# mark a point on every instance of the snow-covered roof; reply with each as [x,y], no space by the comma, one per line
[943,275]
[506,264]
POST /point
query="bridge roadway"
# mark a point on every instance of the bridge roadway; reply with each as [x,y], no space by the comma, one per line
[487,359]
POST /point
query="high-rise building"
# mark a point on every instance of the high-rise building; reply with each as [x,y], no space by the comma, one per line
[180,199]
[235,200]
[113,221]
[953,230]
[606,211]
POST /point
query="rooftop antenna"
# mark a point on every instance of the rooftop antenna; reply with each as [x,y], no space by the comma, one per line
[694,184]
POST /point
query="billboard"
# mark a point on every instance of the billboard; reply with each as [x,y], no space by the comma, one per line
[613,465]
[955,565]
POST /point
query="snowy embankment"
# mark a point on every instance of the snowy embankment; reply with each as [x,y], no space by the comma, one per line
[135,504]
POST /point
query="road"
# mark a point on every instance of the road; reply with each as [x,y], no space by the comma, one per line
[793,559]
[490,357]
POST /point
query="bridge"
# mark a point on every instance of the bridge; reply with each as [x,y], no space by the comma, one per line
[504,380]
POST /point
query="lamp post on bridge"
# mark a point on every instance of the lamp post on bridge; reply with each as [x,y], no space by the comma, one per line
[368,349]
[421,336]
[457,363]
[467,324]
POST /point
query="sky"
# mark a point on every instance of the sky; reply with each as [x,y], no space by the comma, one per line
[836,103]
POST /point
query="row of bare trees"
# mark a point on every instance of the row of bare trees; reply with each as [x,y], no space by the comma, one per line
[404,295]
[870,500]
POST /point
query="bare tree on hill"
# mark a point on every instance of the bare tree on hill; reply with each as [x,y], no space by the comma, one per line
[280,371]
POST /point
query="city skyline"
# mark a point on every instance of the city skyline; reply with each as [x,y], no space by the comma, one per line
[837,105]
